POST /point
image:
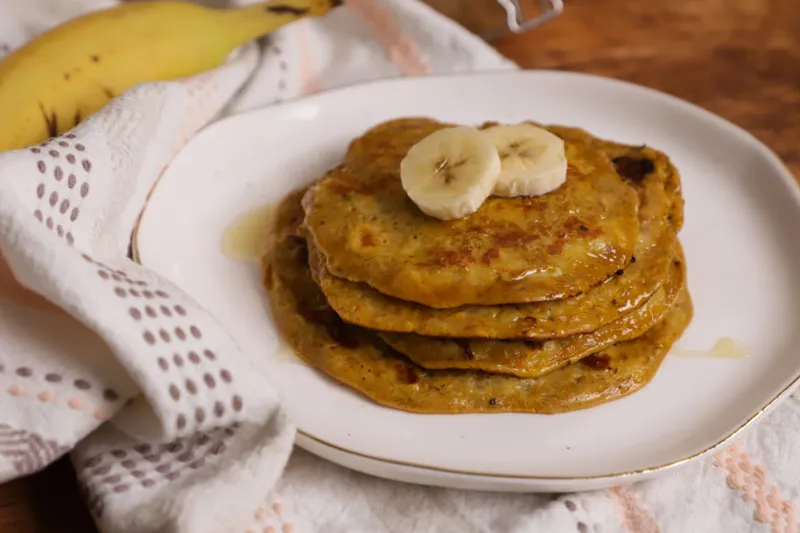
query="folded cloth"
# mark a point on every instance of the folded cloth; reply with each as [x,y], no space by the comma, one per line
[169,428]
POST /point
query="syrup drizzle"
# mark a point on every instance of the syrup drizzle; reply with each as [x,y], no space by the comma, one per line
[724,348]
[247,237]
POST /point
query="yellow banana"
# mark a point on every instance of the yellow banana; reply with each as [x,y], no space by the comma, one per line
[54,81]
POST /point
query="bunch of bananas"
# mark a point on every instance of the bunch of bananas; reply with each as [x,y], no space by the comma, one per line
[56,80]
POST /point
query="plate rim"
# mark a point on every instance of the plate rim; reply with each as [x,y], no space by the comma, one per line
[697,110]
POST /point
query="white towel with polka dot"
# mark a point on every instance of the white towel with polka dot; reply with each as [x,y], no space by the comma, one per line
[168,426]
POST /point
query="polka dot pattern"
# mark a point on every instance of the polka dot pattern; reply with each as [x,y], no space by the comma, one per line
[175,341]
[195,381]
[283,66]
[270,518]
[64,183]
[110,395]
[158,331]
[32,378]
[143,466]
[77,394]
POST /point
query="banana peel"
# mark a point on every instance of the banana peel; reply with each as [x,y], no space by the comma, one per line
[55,81]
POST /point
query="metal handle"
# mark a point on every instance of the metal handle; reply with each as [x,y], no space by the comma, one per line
[516,19]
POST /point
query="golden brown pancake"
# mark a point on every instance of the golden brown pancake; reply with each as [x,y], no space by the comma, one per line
[512,250]
[637,164]
[657,184]
[358,358]
[536,358]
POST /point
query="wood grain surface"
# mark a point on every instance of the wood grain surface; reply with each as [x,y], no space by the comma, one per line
[737,58]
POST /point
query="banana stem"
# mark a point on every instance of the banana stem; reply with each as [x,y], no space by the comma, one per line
[252,22]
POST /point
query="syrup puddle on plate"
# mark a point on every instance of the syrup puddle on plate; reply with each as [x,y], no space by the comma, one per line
[285,354]
[247,237]
[724,348]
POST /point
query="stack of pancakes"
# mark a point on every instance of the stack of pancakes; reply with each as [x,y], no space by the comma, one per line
[542,304]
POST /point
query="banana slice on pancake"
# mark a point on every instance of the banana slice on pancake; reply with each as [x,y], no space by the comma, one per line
[451,172]
[532,160]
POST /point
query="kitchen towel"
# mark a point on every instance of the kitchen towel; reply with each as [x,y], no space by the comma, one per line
[168,427]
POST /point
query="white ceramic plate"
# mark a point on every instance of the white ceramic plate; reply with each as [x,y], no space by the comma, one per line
[742,213]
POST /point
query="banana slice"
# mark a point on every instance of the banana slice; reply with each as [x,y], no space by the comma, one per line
[533,160]
[449,173]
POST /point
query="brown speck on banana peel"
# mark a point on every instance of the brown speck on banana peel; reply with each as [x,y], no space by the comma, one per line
[108,92]
[77,118]
[67,76]
[50,120]
[287,10]
[95,59]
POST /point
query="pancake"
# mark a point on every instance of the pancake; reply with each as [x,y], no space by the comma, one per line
[536,358]
[658,191]
[356,357]
[512,250]
[636,164]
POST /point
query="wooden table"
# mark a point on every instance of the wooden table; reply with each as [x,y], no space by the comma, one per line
[737,58]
